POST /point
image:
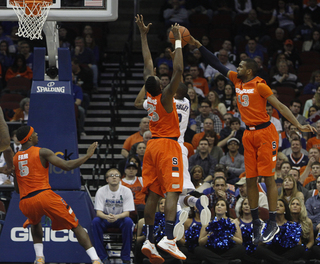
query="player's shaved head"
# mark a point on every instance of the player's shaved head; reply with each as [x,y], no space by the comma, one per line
[152,85]
[252,65]
[181,91]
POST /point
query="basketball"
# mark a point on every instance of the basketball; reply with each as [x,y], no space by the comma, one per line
[185,36]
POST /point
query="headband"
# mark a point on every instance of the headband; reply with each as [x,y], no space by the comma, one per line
[24,140]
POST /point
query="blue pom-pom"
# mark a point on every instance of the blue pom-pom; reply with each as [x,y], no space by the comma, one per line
[246,231]
[222,231]
[159,227]
[192,236]
[288,236]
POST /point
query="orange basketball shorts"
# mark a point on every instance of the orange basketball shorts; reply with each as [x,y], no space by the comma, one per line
[52,205]
[162,167]
[260,151]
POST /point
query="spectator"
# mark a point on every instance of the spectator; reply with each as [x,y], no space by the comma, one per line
[283,14]
[203,158]
[313,109]
[113,203]
[64,40]
[3,37]
[235,132]
[141,149]
[24,49]
[226,130]
[205,40]
[292,56]
[22,113]
[289,189]
[217,107]
[135,184]
[242,185]
[304,31]
[276,122]
[315,170]
[314,83]
[285,167]
[164,80]
[280,159]
[293,134]
[196,59]
[194,108]
[197,178]
[314,43]
[205,112]
[295,107]
[199,7]
[215,151]
[314,142]
[227,45]
[6,59]
[163,68]
[91,44]
[19,69]
[136,137]
[315,101]
[165,58]
[297,159]
[233,161]
[146,137]
[314,10]
[198,81]
[313,208]
[277,43]
[228,96]
[188,78]
[299,215]
[208,126]
[253,50]
[83,76]
[15,144]
[176,13]
[223,249]
[296,175]
[306,171]
[220,83]
[243,6]
[262,73]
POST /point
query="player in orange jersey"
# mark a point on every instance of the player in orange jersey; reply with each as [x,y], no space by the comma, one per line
[260,139]
[162,164]
[37,198]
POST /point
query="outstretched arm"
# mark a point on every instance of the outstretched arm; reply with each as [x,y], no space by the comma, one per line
[138,103]
[67,165]
[209,57]
[148,63]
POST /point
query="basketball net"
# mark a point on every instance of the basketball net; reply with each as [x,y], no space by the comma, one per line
[32,15]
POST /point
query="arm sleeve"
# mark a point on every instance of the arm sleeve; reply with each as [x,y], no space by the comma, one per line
[213,60]
[264,90]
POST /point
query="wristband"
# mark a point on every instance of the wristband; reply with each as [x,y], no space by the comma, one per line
[178,44]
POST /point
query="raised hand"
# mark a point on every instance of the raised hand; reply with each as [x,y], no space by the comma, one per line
[307,128]
[175,31]
[92,149]
[142,27]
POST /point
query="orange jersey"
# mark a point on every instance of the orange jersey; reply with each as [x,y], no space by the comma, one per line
[313,143]
[252,99]
[162,124]
[30,173]
[136,188]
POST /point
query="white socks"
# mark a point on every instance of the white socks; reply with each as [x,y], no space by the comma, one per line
[92,253]
[38,248]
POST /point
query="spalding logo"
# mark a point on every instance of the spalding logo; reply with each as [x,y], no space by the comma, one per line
[50,84]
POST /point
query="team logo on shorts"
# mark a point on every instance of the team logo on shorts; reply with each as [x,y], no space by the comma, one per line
[174,161]
[274,144]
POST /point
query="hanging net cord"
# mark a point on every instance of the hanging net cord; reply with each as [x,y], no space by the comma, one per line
[32,15]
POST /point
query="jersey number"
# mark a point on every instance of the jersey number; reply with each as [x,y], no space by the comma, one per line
[24,170]
[152,114]
[243,100]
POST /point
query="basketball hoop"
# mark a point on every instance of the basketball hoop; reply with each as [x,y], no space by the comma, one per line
[32,15]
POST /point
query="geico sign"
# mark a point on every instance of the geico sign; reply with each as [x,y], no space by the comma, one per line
[20,234]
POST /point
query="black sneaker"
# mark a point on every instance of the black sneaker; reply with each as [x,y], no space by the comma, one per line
[271,230]
[258,226]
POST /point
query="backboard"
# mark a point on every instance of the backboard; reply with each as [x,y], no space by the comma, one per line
[71,11]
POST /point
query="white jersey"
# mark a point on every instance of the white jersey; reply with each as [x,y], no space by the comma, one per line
[116,202]
[183,110]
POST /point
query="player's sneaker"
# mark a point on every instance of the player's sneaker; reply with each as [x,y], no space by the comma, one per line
[258,226]
[98,261]
[150,250]
[202,206]
[178,230]
[271,230]
[170,246]
[39,260]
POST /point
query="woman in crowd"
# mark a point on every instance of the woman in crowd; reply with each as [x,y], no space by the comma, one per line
[6,59]
[219,85]
[217,107]
[197,178]
[141,149]
[22,113]
[314,43]
[191,236]
[285,246]
[136,160]
[313,101]
[289,189]
[280,159]
[91,44]
[214,150]
[314,83]
[228,96]
[194,102]
[284,170]
[19,69]
[221,240]
[299,215]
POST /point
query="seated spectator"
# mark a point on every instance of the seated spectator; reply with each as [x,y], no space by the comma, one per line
[228,96]
[235,132]
[284,78]
[194,102]
[196,59]
[226,130]
[314,142]
[285,167]
[19,68]
[197,178]
[198,81]
[164,58]
[284,247]
[176,13]
[188,79]
[24,49]
[91,44]
[164,80]
[242,185]
[6,59]
[311,113]
[163,68]
[262,73]
[8,40]
[295,108]
[314,83]
[141,149]
[223,244]
[227,45]
[306,171]
[299,215]
[219,84]
[108,215]
[280,159]
[135,184]
[22,113]
[205,112]
[297,159]
[304,32]
[291,54]
[217,108]
[315,101]
[314,43]
[313,9]
[296,175]
[253,49]
[83,76]
[283,14]
[203,158]
[294,133]
[215,151]
[315,171]
[208,126]
[136,137]
[243,7]
[146,137]
[313,206]
[64,39]
[289,189]
[233,161]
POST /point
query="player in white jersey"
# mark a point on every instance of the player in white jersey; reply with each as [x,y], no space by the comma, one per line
[185,200]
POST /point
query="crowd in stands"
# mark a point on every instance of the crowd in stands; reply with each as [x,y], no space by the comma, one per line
[283,38]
